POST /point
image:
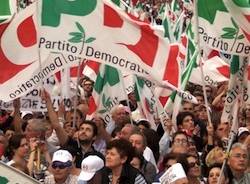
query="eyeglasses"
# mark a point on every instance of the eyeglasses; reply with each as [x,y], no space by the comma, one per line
[244,156]
[180,141]
[61,165]
[192,164]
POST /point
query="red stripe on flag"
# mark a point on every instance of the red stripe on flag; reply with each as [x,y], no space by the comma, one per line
[163,100]
[26,32]
[213,53]
[171,73]
[224,70]
[92,105]
[247,35]
[111,18]
[8,69]
[247,17]
[146,47]
[93,65]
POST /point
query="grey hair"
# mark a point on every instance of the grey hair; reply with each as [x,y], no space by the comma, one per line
[38,125]
[241,146]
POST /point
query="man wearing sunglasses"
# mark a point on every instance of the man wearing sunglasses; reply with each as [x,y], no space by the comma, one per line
[60,169]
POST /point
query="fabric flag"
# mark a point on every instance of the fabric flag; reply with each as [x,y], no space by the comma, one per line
[238,68]
[79,31]
[108,91]
[215,71]
[219,30]
[176,10]
[174,102]
[20,70]
[7,8]
[146,101]
[240,11]
[128,49]
[91,69]
[246,85]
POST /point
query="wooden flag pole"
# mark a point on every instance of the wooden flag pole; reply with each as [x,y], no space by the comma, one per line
[197,40]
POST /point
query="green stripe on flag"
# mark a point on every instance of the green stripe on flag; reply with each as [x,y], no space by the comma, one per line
[117,2]
[5,8]
[235,64]
[207,9]
[242,3]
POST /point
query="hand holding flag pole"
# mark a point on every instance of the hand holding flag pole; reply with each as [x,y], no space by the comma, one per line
[197,40]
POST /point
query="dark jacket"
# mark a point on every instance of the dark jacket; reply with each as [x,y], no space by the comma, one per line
[128,175]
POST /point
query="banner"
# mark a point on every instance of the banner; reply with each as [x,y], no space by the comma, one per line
[9,175]
[219,30]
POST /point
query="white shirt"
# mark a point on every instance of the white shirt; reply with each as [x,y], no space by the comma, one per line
[149,156]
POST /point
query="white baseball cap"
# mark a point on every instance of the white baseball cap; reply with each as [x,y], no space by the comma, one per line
[62,156]
[242,130]
[90,165]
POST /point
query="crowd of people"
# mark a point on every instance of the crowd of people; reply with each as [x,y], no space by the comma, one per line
[63,147]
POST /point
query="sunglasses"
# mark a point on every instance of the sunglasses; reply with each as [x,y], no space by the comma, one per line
[192,164]
[61,165]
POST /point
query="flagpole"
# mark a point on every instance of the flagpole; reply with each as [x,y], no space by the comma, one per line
[75,99]
[231,138]
[127,100]
[38,49]
[197,40]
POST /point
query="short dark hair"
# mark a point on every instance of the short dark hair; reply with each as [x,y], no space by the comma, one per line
[124,148]
[144,123]
[182,115]
[91,123]
[14,143]
[179,133]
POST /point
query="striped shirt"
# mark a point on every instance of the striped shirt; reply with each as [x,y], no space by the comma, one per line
[138,180]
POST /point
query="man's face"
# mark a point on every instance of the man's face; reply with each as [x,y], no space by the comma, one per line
[180,144]
[137,142]
[188,123]
[30,131]
[187,107]
[125,132]
[88,86]
[238,160]
[200,99]
[119,115]
[60,174]
[86,133]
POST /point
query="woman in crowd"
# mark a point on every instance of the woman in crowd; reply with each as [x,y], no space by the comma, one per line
[17,151]
[118,157]
[214,174]
[194,170]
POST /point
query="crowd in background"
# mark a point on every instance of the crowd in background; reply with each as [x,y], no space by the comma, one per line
[63,147]
[52,147]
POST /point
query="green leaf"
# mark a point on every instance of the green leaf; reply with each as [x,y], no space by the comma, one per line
[75,34]
[80,28]
[229,30]
[103,100]
[240,37]
[75,39]
[102,111]
[89,40]
[108,102]
[234,23]
[228,35]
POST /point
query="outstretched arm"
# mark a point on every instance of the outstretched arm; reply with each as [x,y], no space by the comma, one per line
[60,132]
